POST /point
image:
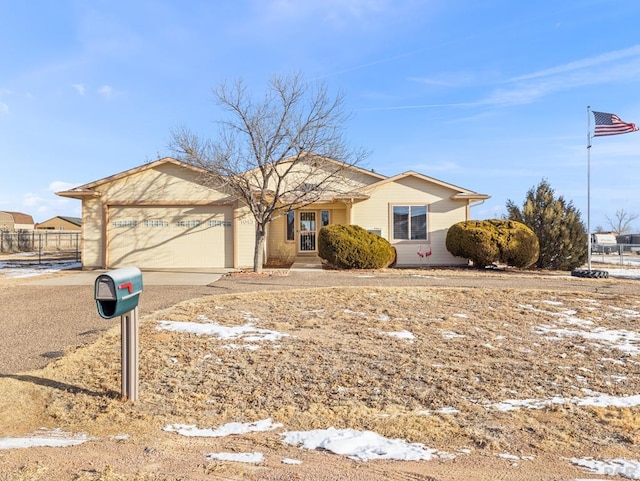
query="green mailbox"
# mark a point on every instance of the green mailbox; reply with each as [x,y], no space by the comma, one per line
[118,292]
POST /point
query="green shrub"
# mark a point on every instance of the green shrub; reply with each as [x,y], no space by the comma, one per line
[352,247]
[557,223]
[518,244]
[474,240]
[491,241]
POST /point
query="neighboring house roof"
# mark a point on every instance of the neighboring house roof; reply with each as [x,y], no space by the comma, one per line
[72,220]
[19,217]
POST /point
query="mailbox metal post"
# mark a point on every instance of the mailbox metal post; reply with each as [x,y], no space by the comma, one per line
[129,354]
[117,294]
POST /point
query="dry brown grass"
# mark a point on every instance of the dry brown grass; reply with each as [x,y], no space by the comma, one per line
[339,367]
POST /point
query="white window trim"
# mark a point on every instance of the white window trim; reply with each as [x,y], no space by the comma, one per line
[392,231]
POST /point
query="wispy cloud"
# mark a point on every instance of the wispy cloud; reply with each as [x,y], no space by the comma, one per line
[106,91]
[31,200]
[414,106]
[333,11]
[341,15]
[608,68]
[80,88]
[46,204]
[4,108]
[59,185]
[597,61]
[457,79]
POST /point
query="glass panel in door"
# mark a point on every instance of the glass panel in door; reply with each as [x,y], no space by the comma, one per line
[307,231]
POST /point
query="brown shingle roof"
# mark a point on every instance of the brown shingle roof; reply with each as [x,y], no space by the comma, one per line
[19,217]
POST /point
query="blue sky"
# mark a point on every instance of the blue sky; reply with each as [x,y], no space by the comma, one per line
[491,96]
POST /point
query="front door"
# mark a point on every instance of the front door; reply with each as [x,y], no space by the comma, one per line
[307,231]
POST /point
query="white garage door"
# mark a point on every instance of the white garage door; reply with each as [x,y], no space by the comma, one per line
[170,237]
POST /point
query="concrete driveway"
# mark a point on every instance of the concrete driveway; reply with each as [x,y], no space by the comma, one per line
[149,278]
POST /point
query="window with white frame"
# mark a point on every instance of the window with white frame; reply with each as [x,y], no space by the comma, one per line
[410,222]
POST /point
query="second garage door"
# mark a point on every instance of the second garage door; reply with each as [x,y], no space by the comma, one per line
[170,237]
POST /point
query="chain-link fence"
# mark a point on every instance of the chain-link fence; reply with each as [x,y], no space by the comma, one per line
[40,241]
[616,253]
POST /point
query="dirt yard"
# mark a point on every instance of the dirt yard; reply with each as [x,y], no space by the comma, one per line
[507,376]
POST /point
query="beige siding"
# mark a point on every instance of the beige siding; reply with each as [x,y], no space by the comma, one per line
[58,223]
[278,247]
[339,216]
[92,228]
[342,179]
[245,238]
[173,187]
[375,213]
[24,227]
[167,185]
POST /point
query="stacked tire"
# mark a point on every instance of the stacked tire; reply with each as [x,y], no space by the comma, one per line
[590,274]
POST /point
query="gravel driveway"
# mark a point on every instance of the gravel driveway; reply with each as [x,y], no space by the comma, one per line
[40,322]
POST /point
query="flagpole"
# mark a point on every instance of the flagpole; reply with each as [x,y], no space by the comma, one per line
[589,187]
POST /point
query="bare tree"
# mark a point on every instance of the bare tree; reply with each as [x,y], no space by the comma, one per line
[276,154]
[622,222]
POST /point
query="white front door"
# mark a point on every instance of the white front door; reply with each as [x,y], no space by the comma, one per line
[307,231]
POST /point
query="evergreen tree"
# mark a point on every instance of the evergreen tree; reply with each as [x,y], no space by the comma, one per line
[557,223]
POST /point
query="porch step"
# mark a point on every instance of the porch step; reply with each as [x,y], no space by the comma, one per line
[311,262]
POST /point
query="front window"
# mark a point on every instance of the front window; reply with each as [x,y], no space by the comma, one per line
[291,222]
[324,218]
[410,222]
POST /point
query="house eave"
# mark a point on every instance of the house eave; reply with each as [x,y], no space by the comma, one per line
[79,193]
[470,196]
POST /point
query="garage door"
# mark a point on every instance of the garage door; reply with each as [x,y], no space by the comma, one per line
[170,237]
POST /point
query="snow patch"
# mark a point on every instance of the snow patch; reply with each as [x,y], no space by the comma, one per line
[359,445]
[254,458]
[224,430]
[611,467]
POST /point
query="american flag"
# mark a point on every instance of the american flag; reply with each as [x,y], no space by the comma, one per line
[610,124]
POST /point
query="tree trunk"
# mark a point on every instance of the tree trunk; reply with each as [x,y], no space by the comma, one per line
[258,249]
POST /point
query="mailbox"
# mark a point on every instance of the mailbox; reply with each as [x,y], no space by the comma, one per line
[118,292]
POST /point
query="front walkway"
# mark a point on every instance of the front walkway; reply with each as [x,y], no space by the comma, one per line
[307,263]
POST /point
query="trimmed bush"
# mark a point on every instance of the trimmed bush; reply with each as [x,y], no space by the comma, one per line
[352,247]
[518,244]
[474,240]
[494,241]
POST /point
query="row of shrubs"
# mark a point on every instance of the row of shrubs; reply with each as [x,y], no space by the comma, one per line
[485,243]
